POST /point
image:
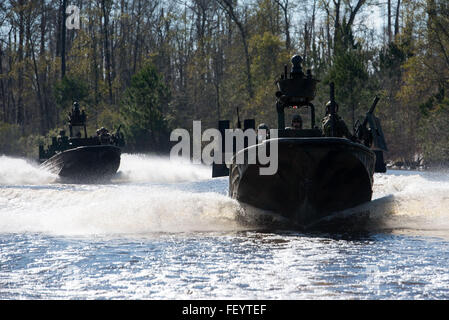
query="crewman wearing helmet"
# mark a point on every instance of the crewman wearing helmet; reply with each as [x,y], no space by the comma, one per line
[297,122]
[340,129]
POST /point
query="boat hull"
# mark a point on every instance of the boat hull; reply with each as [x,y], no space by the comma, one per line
[315,177]
[85,164]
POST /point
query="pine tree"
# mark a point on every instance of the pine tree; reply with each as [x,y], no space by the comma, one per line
[143,110]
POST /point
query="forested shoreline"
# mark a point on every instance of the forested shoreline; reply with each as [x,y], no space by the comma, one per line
[153,66]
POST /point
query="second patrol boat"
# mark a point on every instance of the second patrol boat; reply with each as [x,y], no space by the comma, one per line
[320,170]
[82,159]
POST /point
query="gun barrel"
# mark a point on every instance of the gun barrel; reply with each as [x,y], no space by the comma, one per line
[371,110]
[373,106]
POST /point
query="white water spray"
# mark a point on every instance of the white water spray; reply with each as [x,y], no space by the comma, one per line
[133,168]
[145,198]
[31,201]
[87,210]
[418,201]
[146,168]
[16,171]
[403,201]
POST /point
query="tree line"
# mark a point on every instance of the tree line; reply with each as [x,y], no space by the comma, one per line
[156,65]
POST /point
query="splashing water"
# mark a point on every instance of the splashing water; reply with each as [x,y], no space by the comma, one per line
[133,168]
[16,171]
[88,210]
[404,202]
[418,201]
[137,238]
[145,168]
[153,194]
[31,201]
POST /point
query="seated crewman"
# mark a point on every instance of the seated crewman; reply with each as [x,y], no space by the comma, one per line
[296,123]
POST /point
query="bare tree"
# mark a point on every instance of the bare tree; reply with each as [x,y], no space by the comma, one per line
[230,8]
[284,5]
[396,22]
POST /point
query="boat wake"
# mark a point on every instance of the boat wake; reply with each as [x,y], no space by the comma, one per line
[403,202]
[157,169]
[138,168]
[154,195]
[114,210]
[17,171]
[143,199]
[418,202]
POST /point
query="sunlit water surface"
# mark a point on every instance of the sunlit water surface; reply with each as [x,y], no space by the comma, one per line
[166,230]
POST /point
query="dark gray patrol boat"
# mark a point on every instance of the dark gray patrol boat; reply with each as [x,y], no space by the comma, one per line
[82,159]
[318,173]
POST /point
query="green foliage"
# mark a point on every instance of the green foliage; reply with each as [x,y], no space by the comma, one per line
[269,57]
[9,139]
[142,110]
[350,75]
[107,118]
[390,60]
[344,39]
[70,89]
[13,143]
[434,134]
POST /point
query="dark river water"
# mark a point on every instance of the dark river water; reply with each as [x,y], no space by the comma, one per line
[165,230]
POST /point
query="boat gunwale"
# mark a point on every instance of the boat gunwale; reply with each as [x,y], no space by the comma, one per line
[316,141]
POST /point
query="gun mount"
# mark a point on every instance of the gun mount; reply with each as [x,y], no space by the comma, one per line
[295,90]
[371,135]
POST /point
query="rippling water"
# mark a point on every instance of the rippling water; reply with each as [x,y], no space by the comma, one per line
[165,230]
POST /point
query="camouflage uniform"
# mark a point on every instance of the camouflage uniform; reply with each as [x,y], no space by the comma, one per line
[341,130]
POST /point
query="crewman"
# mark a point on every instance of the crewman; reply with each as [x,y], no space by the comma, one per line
[63,142]
[340,129]
[104,135]
[76,107]
[75,115]
[296,123]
